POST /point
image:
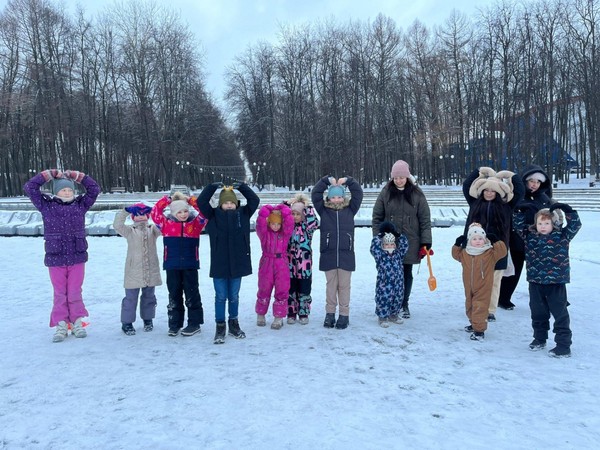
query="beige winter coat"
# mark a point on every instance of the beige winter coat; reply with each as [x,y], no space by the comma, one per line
[142,268]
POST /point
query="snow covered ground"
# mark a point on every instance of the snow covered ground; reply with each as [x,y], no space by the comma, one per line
[422,384]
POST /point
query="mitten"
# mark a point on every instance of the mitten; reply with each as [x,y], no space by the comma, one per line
[562,206]
[424,250]
[342,181]
[217,184]
[332,181]
[461,241]
[74,175]
[138,209]
[388,227]
[237,184]
[50,174]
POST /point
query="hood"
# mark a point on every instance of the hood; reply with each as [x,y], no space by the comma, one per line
[545,187]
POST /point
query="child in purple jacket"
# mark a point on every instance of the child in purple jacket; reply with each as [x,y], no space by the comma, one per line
[274,228]
[63,215]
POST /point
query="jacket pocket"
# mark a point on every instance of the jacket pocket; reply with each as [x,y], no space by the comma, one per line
[81,244]
[53,245]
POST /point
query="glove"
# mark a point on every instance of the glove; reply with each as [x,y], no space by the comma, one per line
[562,206]
[342,181]
[74,175]
[461,241]
[424,250]
[138,210]
[51,174]
[332,181]
[217,184]
[492,237]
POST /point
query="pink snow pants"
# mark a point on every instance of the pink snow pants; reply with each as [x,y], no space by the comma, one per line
[273,272]
[68,302]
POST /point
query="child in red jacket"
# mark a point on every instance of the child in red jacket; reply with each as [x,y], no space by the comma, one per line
[274,228]
[181,230]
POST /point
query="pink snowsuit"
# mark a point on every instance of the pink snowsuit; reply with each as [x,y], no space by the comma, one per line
[273,270]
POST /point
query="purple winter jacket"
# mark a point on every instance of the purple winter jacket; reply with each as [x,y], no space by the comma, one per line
[64,223]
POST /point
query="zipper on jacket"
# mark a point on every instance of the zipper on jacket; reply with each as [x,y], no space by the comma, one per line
[337,250]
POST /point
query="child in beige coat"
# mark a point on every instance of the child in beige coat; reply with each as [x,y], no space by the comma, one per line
[142,269]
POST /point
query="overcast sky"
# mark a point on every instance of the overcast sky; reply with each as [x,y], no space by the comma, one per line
[227,27]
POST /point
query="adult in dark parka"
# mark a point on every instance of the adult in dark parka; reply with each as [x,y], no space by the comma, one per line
[538,195]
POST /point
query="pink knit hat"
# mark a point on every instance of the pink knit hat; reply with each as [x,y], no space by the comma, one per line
[400,169]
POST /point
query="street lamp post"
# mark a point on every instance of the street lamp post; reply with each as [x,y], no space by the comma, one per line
[257,167]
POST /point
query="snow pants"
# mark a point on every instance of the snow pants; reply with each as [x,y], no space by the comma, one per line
[67,282]
[546,300]
[299,300]
[337,291]
[130,301]
[180,281]
[273,273]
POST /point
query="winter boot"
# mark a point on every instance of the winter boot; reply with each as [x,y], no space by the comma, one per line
[491,318]
[148,325]
[396,319]
[291,320]
[190,330]
[384,322]
[234,329]
[77,330]
[560,351]
[277,323]
[303,320]
[128,329]
[220,333]
[537,344]
[60,332]
[469,328]
[477,336]
[260,320]
[342,322]
[174,331]
[329,320]
[405,312]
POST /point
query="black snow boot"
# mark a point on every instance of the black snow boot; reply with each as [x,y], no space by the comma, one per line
[220,334]
[342,322]
[234,329]
[329,320]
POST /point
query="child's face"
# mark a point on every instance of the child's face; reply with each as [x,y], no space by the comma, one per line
[400,182]
[183,215]
[65,193]
[142,218]
[228,206]
[337,199]
[389,247]
[533,185]
[543,226]
[274,226]
[477,241]
[297,216]
[489,195]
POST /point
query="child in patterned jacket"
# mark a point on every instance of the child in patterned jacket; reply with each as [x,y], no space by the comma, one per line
[548,272]
[181,231]
[300,259]
[389,248]
[274,228]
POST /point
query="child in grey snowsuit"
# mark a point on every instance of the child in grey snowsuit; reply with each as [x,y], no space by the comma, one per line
[142,269]
[389,248]
[548,272]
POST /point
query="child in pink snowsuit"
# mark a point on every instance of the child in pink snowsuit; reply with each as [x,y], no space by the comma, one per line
[274,228]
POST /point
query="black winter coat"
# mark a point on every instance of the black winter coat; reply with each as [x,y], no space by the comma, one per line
[337,226]
[229,233]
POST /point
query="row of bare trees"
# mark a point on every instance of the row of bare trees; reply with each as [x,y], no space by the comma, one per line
[518,83]
[120,97]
